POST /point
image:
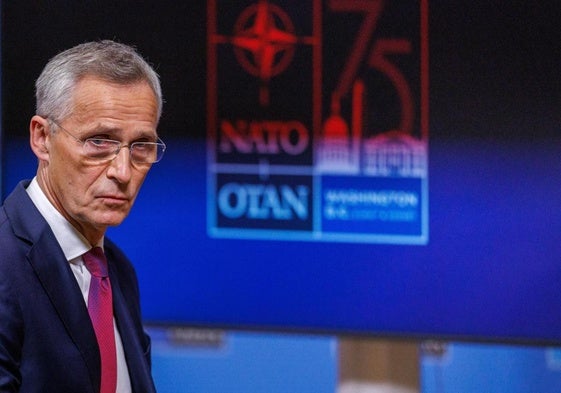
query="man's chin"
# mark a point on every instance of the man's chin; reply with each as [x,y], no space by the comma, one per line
[111,220]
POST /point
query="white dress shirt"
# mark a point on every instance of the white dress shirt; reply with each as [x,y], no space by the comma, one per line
[74,245]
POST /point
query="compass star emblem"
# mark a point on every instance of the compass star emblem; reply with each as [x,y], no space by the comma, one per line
[264,42]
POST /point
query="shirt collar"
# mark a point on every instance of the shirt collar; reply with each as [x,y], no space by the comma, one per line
[72,242]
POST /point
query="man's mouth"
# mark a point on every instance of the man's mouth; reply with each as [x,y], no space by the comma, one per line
[114,199]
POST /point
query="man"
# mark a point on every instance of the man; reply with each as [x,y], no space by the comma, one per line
[94,134]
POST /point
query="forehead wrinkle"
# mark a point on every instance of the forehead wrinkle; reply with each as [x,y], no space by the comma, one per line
[95,97]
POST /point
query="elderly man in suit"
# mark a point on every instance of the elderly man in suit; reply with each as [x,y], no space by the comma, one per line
[69,300]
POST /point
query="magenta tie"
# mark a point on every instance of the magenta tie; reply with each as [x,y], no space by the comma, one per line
[100,308]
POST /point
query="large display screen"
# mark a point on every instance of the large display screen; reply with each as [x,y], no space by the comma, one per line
[388,168]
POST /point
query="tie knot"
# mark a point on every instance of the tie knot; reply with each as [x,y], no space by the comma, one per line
[95,262]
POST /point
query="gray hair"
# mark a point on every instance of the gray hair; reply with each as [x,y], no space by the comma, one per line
[107,60]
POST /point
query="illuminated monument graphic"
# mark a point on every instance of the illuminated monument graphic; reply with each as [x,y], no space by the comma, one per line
[283,163]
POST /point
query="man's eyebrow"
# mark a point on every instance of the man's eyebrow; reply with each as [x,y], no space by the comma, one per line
[152,134]
[115,131]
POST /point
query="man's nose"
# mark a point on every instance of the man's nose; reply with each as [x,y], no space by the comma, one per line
[120,166]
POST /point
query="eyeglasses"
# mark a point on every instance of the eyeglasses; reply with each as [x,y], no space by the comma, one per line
[101,149]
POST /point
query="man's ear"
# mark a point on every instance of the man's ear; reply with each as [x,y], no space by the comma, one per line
[39,137]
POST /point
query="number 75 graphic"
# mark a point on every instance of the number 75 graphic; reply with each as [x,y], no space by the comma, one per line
[379,54]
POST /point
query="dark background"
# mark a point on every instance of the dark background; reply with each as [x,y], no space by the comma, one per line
[492,268]
[493,67]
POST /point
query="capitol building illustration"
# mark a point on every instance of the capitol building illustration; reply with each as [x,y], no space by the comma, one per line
[393,154]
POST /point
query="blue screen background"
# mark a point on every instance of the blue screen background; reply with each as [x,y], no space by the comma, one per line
[489,271]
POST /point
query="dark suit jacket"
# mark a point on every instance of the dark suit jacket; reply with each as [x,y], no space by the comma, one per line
[47,341]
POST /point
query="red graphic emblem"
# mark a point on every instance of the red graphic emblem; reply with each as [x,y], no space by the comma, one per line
[264,43]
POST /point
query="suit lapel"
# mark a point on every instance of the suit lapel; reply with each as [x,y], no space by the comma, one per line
[59,283]
[53,271]
[138,369]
